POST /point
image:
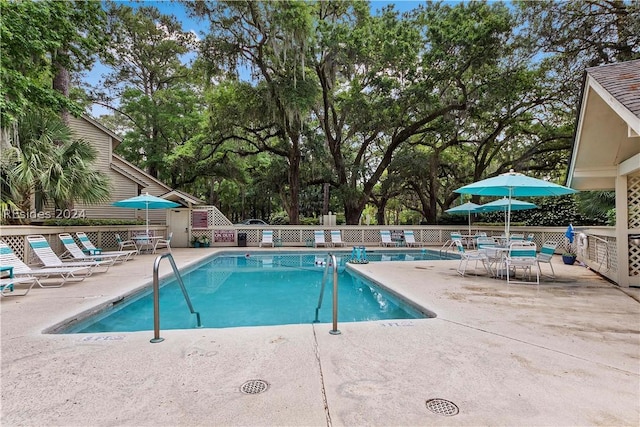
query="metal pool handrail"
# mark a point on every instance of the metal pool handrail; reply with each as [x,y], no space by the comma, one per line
[330,262]
[156,296]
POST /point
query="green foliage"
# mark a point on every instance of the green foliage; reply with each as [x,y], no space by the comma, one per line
[36,37]
[84,222]
[45,162]
[279,218]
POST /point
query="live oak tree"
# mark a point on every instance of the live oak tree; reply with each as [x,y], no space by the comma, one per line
[43,43]
[271,40]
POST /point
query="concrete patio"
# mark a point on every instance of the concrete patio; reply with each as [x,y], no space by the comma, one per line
[564,354]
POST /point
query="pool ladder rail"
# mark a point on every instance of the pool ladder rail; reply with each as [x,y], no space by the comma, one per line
[330,263]
[156,296]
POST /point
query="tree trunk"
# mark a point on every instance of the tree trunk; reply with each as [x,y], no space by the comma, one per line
[294,181]
[61,83]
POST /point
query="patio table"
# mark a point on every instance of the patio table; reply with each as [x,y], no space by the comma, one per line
[147,242]
[497,256]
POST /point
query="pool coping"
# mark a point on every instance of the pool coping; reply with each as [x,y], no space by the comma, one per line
[494,350]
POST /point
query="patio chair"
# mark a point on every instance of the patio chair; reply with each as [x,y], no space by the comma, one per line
[7,285]
[516,237]
[546,254]
[163,243]
[465,257]
[74,251]
[48,257]
[267,238]
[123,244]
[385,238]
[410,239]
[530,237]
[89,248]
[522,255]
[336,238]
[20,269]
[318,235]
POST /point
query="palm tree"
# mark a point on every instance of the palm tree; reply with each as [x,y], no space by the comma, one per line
[46,162]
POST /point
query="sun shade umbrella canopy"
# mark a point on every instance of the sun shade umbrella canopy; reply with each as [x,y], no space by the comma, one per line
[465,208]
[502,205]
[146,202]
[513,184]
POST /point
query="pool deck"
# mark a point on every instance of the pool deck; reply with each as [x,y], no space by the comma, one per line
[564,354]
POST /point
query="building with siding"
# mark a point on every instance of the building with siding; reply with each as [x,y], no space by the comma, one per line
[126,179]
[606,156]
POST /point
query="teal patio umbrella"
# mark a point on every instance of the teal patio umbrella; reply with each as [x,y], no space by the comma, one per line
[502,205]
[513,184]
[465,208]
[146,202]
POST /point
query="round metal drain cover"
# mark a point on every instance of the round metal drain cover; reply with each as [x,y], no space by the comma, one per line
[254,387]
[442,407]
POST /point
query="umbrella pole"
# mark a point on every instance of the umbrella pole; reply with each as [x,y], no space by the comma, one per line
[469,223]
[147,217]
[508,215]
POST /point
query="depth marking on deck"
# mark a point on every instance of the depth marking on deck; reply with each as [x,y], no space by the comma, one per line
[104,338]
[396,324]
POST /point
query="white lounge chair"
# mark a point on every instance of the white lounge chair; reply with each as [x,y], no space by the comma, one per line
[7,285]
[20,269]
[267,238]
[91,249]
[319,238]
[385,238]
[48,257]
[410,239]
[74,251]
[336,238]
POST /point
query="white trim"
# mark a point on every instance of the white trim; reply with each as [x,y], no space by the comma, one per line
[629,166]
[629,118]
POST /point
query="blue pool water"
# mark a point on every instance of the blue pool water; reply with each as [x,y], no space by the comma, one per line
[256,290]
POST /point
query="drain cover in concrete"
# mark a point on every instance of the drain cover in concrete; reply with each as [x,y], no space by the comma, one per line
[254,387]
[442,407]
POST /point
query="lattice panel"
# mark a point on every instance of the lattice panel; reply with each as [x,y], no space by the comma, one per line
[16,243]
[634,260]
[351,237]
[289,236]
[371,236]
[633,199]
[428,236]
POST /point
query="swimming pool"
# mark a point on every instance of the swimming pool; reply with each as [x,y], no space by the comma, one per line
[258,289]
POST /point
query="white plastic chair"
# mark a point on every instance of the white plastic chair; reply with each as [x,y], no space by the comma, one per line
[465,257]
[163,243]
[385,238]
[318,236]
[336,238]
[123,244]
[522,255]
[410,239]
[267,238]
[546,254]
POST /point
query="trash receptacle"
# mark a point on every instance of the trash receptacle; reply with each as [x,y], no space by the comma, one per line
[242,239]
